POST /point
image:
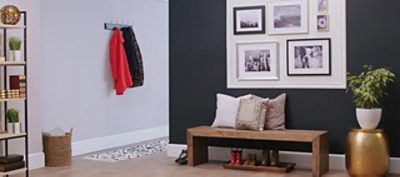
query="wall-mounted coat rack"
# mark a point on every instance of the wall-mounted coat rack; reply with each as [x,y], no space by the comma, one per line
[112,26]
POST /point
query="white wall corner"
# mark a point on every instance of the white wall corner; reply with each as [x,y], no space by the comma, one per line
[302,159]
[108,142]
[36,160]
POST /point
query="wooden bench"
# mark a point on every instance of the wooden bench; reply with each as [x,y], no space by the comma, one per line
[197,142]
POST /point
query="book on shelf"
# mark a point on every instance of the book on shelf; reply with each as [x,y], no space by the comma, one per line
[18,82]
[12,158]
[12,166]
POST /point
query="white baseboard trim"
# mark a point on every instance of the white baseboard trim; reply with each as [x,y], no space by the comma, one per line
[36,160]
[108,142]
[302,159]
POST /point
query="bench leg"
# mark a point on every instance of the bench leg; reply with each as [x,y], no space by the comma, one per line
[320,148]
[197,150]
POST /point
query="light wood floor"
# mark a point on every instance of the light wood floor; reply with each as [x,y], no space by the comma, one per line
[158,165]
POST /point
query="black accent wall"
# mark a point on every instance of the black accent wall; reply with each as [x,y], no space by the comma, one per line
[198,72]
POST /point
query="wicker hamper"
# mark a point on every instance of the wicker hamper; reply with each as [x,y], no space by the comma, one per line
[57,149]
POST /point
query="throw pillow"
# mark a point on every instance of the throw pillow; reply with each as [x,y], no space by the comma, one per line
[251,114]
[227,108]
[275,119]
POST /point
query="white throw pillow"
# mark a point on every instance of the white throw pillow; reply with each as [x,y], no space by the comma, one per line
[227,109]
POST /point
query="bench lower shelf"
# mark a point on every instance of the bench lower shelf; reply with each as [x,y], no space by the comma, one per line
[282,168]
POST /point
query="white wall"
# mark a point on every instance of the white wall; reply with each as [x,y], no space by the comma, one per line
[34,87]
[76,85]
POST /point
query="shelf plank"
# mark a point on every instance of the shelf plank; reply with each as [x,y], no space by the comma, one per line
[2,26]
[12,62]
[12,99]
[4,136]
[22,170]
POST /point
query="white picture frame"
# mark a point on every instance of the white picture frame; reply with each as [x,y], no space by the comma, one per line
[288,17]
[309,57]
[323,6]
[322,23]
[257,60]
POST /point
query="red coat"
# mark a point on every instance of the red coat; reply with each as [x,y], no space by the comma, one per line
[119,63]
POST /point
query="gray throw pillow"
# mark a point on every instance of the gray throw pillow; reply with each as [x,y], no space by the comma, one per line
[251,113]
[275,119]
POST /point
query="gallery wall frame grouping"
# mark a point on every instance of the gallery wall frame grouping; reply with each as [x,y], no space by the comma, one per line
[286,44]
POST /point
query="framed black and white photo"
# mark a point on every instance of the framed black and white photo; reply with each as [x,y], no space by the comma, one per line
[249,20]
[309,57]
[322,23]
[257,61]
[323,6]
[288,16]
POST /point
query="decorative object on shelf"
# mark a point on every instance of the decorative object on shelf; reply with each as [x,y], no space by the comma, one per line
[11,162]
[2,59]
[288,16]
[368,87]
[13,125]
[367,153]
[323,6]
[18,83]
[275,157]
[265,158]
[309,57]
[10,94]
[322,23]
[249,20]
[257,61]
[15,53]
[10,15]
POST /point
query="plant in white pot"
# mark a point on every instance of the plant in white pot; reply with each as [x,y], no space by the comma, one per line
[15,49]
[13,126]
[368,87]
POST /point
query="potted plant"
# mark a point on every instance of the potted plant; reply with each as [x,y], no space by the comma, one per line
[368,87]
[15,49]
[13,126]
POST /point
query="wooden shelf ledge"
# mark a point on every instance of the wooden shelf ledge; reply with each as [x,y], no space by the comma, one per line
[13,172]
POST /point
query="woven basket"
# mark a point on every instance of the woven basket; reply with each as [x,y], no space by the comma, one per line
[57,149]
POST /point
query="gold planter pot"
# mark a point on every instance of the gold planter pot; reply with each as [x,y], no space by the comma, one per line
[367,153]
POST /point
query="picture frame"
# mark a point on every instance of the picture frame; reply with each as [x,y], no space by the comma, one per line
[288,17]
[323,6]
[249,20]
[309,57]
[257,60]
[322,23]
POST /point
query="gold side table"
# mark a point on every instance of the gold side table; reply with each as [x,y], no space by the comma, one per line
[367,153]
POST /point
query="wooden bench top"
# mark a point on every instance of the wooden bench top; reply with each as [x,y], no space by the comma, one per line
[271,135]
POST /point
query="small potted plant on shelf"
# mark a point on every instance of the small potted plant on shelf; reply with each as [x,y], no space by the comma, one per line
[15,49]
[368,87]
[13,126]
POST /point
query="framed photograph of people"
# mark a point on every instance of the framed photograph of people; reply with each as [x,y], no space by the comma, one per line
[288,16]
[257,61]
[249,20]
[309,57]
